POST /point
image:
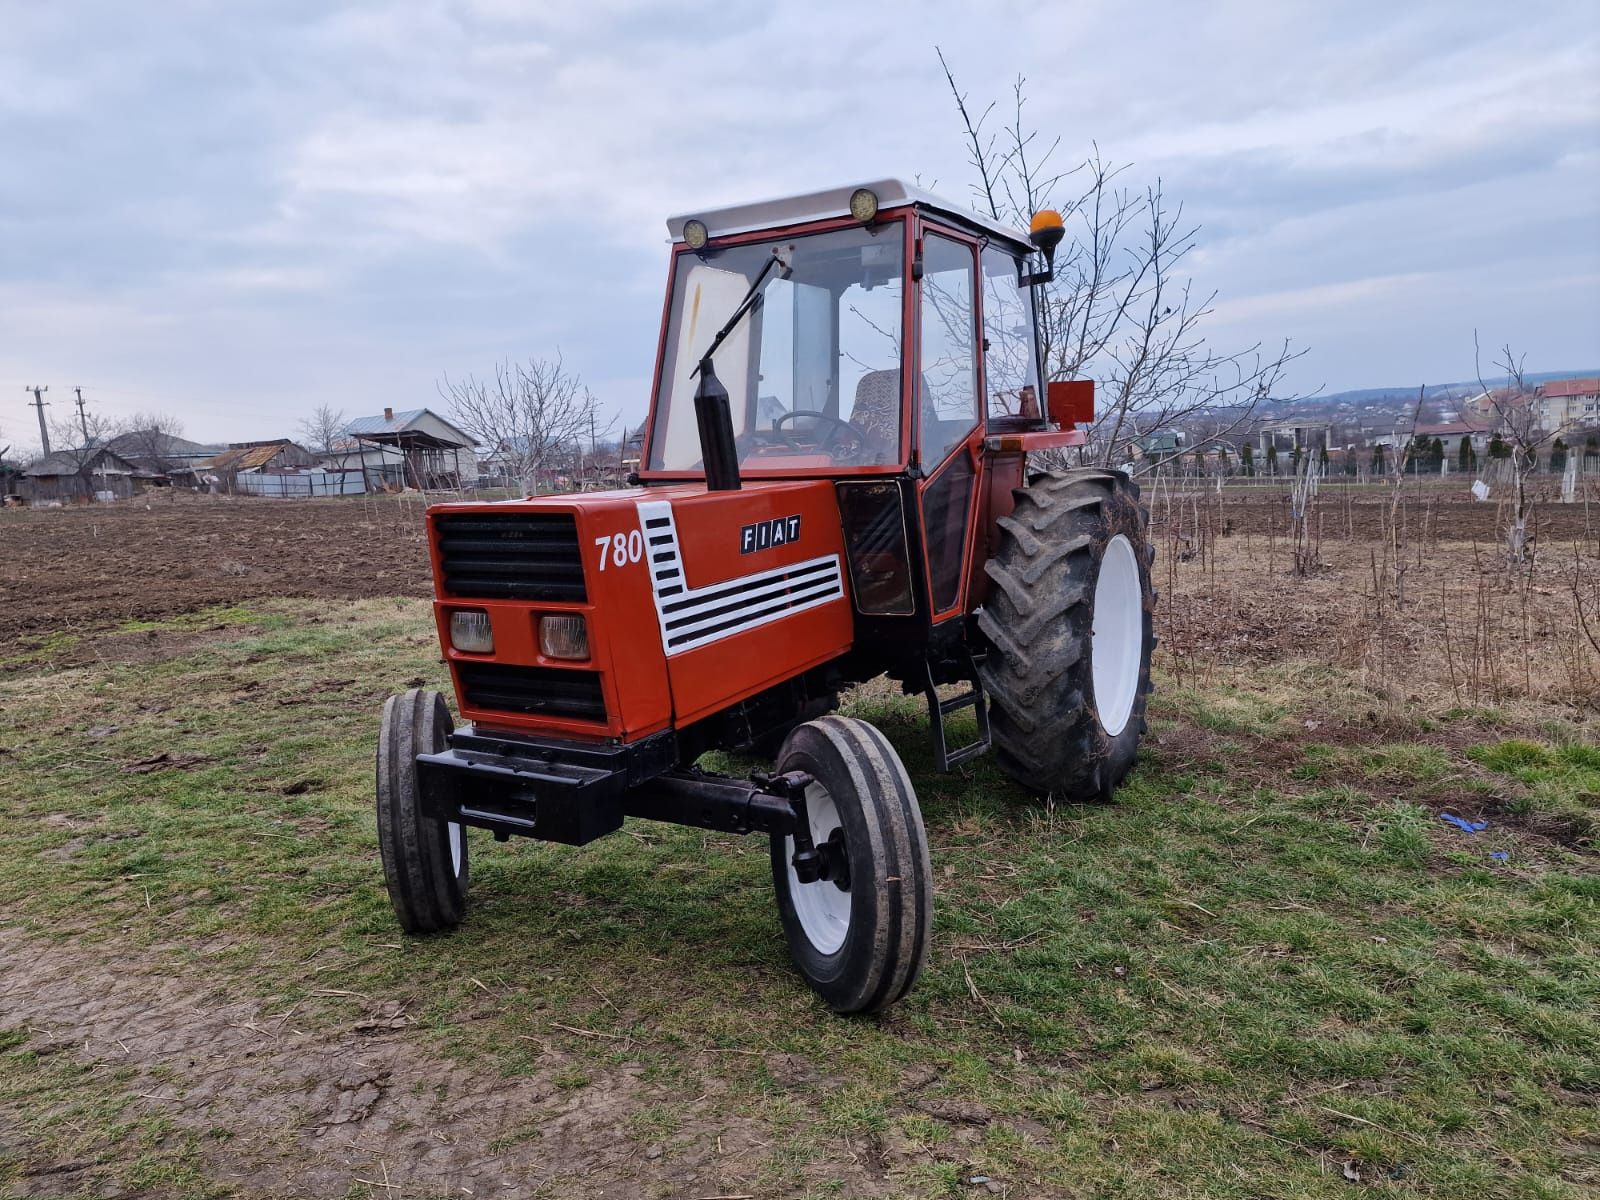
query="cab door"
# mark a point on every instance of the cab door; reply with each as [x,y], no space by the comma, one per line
[947,412]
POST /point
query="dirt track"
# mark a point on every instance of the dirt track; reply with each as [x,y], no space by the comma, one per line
[358,1110]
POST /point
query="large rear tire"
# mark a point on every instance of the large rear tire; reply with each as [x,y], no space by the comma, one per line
[1068,620]
[861,941]
[424,860]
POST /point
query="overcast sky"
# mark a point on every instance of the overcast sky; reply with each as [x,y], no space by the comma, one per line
[236,211]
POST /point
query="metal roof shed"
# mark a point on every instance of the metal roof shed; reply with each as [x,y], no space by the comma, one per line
[437,453]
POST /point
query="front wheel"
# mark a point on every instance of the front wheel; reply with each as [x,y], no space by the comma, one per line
[859,937]
[424,860]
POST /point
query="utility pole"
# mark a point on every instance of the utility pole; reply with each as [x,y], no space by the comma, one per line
[39,403]
[83,421]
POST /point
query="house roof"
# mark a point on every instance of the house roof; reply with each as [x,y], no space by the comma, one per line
[70,462]
[1556,388]
[833,202]
[247,458]
[139,442]
[388,428]
[382,424]
[1451,429]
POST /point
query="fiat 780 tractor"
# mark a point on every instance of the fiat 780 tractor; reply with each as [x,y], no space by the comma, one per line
[833,486]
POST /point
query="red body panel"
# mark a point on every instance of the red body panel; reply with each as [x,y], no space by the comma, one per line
[645,689]
[711,677]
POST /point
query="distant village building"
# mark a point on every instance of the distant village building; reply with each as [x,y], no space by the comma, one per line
[1478,431]
[433,453]
[162,453]
[1299,434]
[223,472]
[1566,403]
[80,475]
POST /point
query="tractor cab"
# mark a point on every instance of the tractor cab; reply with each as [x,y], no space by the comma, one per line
[881,330]
[877,336]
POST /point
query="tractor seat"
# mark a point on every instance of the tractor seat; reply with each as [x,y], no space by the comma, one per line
[876,411]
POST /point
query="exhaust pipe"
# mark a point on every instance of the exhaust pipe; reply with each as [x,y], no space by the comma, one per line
[714,417]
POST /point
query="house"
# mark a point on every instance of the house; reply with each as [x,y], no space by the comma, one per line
[1563,403]
[1478,431]
[434,453]
[277,457]
[378,466]
[162,453]
[92,473]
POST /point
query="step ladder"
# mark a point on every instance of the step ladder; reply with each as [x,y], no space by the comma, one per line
[974,698]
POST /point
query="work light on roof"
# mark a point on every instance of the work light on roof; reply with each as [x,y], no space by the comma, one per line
[863,204]
[695,233]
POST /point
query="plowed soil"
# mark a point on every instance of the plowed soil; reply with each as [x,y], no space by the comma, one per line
[83,570]
[78,570]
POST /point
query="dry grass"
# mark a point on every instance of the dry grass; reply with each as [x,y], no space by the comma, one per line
[1417,614]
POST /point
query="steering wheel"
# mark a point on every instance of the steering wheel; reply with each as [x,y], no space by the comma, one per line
[836,425]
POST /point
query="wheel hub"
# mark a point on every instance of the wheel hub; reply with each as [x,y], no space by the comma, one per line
[1117,649]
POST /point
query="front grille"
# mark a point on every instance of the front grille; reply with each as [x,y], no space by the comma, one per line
[539,691]
[511,556]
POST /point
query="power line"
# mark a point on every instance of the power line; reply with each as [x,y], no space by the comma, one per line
[39,403]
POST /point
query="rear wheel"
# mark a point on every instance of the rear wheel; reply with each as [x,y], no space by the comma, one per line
[1069,622]
[860,938]
[424,860]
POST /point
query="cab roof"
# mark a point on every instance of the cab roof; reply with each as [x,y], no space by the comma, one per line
[835,202]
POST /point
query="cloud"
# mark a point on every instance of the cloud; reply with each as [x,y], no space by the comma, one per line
[255,210]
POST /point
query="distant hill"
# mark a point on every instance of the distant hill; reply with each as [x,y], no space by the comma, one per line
[1406,395]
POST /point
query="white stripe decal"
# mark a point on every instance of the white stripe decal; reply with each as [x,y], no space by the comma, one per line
[692,617]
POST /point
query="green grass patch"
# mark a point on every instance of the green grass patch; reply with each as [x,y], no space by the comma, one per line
[1228,984]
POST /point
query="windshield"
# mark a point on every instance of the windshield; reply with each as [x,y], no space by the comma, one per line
[812,372]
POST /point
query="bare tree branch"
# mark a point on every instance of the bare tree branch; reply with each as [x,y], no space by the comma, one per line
[536,417]
[1121,310]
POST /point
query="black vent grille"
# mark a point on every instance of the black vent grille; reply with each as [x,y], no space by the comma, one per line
[511,556]
[538,691]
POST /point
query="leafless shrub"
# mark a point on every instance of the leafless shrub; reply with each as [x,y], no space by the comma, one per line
[1518,427]
[1121,310]
[534,417]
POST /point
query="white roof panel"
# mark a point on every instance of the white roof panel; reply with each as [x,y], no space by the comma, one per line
[832,202]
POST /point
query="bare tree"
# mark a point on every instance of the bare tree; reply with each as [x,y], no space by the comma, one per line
[536,417]
[1520,430]
[83,439]
[1121,309]
[323,431]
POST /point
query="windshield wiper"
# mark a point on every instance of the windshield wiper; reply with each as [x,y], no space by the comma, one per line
[745,305]
[719,453]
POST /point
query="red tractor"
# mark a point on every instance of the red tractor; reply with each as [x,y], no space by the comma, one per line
[833,486]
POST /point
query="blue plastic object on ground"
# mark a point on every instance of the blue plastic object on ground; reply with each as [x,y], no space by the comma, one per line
[1463,824]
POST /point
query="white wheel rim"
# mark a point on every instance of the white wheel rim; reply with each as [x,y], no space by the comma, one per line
[821,908]
[456,835]
[1117,645]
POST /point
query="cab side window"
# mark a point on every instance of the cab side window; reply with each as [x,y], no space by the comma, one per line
[948,391]
[1011,373]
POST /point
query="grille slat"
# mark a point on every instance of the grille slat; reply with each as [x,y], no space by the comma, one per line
[511,556]
[541,691]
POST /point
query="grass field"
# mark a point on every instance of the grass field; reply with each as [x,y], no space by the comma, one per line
[1271,970]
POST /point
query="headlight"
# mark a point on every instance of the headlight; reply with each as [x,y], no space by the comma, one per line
[563,635]
[470,631]
[863,204]
[695,233]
